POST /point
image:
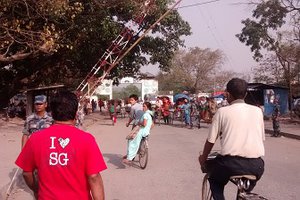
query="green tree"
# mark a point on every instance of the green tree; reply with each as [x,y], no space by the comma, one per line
[49,42]
[126,92]
[268,31]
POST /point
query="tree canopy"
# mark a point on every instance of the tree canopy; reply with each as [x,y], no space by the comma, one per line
[274,30]
[192,70]
[197,70]
[59,41]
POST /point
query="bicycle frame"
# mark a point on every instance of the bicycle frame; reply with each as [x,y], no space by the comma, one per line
[242,182]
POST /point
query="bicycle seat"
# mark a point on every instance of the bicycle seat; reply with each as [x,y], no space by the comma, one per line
[242,181]
[249,177]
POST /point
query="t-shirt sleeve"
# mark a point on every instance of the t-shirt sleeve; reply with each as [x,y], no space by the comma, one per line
[132,112]
[26,128]
[25,159]
[262,126]
[215,128]
[94,159]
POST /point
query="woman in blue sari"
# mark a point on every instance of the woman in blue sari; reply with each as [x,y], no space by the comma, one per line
[145,124]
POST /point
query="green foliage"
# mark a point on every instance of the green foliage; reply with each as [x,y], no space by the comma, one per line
[274,30]
[256,33]
[268,17]
[103,97]
[126,92]
[58,42]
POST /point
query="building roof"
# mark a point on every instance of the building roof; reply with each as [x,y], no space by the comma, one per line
[147,75]
[44,88]
[262,86]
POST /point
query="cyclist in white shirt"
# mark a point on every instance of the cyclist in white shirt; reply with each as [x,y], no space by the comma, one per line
[240,128]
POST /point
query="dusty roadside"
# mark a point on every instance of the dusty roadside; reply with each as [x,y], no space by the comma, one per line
[10,142]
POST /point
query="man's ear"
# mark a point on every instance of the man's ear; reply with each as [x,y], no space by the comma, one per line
[229,97]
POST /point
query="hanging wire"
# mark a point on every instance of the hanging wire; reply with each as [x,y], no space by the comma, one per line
[198,4]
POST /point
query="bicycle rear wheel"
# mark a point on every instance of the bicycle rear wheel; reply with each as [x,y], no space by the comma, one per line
[143,154]
[250,196]
[206,192]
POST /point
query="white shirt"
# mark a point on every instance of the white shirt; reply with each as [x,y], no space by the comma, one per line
[240,127]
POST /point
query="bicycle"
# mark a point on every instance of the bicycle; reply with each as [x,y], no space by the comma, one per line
[241,181]
[143,153]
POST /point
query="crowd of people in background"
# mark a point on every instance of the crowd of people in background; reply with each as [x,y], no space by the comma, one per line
[190,111]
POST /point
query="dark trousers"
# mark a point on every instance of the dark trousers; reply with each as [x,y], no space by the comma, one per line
[223,167]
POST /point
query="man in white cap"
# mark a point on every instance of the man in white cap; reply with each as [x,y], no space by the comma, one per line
[39,120]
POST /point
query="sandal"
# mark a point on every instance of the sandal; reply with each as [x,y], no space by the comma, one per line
[127,162]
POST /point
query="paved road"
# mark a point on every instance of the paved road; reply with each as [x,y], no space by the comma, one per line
[173,171]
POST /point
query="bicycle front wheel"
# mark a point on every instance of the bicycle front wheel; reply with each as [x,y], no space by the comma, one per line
[143,154]
[206,192]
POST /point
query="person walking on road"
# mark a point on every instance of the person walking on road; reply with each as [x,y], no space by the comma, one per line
[100,104]
[136,111]
[186,107]
[68,159]
[240,127]
[275,121]
[39,120]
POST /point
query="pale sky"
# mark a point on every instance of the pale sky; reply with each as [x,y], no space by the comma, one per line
[214,26]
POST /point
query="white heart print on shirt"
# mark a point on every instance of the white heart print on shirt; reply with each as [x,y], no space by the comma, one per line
[63,142]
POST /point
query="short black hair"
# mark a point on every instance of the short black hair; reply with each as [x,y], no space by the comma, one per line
[64,106]
[237,88]
[134,96]
[148,104]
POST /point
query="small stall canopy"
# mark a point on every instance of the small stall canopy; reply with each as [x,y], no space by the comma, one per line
[267,96]
[48,91]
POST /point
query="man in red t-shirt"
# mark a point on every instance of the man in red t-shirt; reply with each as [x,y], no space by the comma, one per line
[68,160]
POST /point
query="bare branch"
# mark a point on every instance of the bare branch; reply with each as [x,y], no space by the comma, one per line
[14,57]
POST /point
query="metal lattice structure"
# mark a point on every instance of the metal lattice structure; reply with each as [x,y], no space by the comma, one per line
[112,54]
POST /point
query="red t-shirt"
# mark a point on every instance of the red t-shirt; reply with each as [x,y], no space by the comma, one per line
[64,156]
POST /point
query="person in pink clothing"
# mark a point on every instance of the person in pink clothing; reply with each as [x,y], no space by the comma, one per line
[68,160]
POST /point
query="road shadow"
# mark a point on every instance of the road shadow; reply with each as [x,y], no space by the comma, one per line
[15,185]
[115,159]
[135,164]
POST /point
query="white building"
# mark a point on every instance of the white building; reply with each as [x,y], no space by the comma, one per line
[105,88]
[149,85]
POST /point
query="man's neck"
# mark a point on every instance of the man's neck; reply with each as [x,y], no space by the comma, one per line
[69,122]
[41,113]
[237,101]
